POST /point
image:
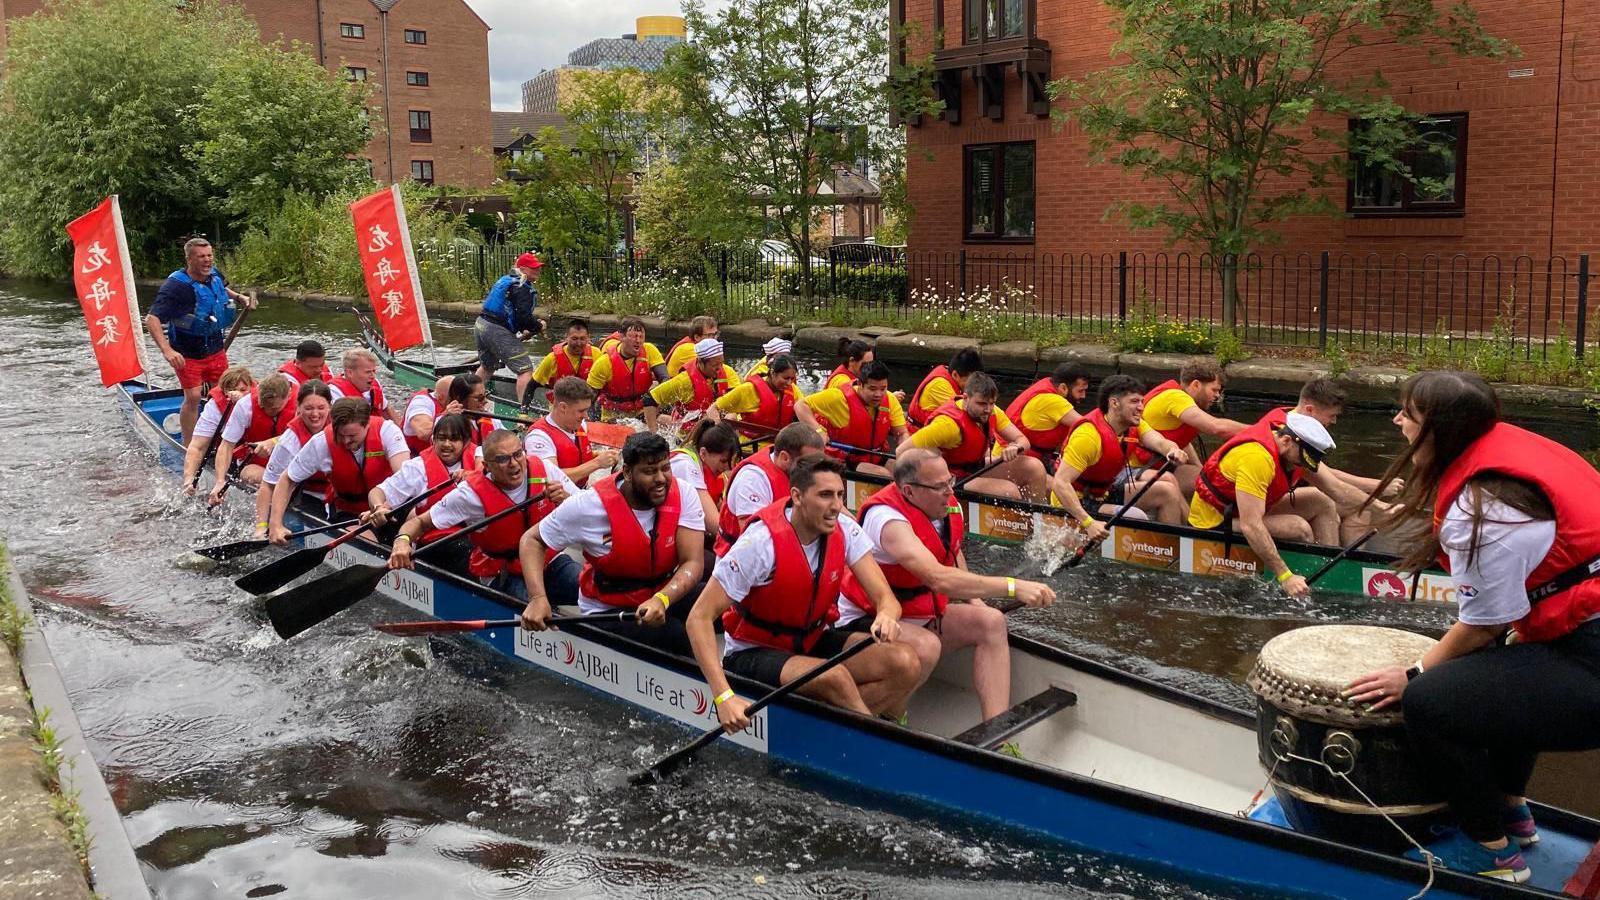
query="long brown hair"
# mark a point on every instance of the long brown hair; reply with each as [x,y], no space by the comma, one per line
[1452,409]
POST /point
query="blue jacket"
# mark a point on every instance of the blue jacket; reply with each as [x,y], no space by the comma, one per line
[511,303]
[196,314]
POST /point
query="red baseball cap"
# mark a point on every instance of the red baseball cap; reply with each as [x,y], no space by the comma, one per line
[528,261]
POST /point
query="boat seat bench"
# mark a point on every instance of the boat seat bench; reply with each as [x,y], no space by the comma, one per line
[1030,712]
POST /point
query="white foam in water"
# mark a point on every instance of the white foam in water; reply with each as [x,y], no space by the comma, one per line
[1052,543]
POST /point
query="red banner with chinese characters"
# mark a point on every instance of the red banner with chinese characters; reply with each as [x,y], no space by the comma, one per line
[103,274]
[390,269]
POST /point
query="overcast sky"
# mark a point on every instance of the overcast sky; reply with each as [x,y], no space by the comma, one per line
[526,37]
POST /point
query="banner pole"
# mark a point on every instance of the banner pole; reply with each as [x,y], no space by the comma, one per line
[134,319]
[416,276]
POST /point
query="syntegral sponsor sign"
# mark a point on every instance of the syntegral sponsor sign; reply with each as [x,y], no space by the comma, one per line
[1146,548]
[997,522]
[1219,558]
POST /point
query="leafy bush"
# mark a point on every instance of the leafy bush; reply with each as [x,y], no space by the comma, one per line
[1147,331]
[886,284]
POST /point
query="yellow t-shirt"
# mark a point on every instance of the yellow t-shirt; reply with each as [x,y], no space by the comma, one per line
[936,394]
[1083,448]
[545,372]
[1162,413]
[678,357]
[1250,467]
[743,399]
[831,404]
[943,433]
[840,379]
[600,375]
[759,369]
[1045,411]
[679,389]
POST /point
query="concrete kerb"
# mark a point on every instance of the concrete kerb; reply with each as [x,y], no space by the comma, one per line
[115,868]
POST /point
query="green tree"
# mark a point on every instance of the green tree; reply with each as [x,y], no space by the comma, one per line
[555,209]
[1218,98]
[772,94]
[684,215]
[275,122]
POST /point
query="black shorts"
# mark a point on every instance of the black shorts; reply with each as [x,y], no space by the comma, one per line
[765,664]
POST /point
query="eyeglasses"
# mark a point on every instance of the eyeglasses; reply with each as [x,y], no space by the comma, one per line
[943,487]
[501,459]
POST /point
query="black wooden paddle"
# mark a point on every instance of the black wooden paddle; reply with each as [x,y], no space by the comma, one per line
[962,482]
[851,448]
[299,608]
[245,548]
[666,765]
[1328,566]
[449,626]
[280,572]
[1086,546]
[233,332]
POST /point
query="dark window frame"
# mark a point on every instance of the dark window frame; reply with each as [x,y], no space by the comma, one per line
[1004,28]
[1410,207]
[350,73]
[420,123]
[423,76]
[416,164]
[419,33]
[352,31]
[998,236]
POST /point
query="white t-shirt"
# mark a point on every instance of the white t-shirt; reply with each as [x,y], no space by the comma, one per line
[420,405]
[750,492]
[461,505]
[282,454]
[410,481]
[239,419]
[1493,589]
[872,524]
[314,457]
[751,561]
[582,522]
[210,419]
[688,471]
[539,444]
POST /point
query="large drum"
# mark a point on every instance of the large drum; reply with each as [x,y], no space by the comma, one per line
[1319,747]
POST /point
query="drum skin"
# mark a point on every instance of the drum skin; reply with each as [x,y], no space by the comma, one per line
[1305,727]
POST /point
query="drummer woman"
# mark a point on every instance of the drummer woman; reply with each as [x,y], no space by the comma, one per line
[1516,518]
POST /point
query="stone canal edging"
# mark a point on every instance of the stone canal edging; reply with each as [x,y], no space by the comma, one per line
[37,857]
[1367,386]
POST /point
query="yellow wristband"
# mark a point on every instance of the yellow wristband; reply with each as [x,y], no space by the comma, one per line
[1011,587]
[662,596]
[1285,575]
[402,537]
[722,698]
[1087,521]
[261,524]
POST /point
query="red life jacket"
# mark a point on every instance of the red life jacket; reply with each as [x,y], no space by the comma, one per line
[706,390]
[686,339]
[865,429]
[494,548]
[1276,417]
[1573,488]
[625,391]
[917,600]
[713,481]
[1183,435]
[569,453]
[638,564]
[1096,481]
[773,413]
[967,456]
[261,427]
[564,362]
[1040,443]
[914,410]
[352,478]
[418,444]
[1215,488]
[731,526]
[482,427]
[437,473]
[316,485]
[790,612]
[298,377]
[613,336]
[841,369]
[225,403]
[348,389]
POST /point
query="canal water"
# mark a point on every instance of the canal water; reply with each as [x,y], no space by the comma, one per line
[351,764]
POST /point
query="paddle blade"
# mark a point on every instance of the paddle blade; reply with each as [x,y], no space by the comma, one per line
[233,550]
[280,572]
[443,627]
[314,602]
[609,434]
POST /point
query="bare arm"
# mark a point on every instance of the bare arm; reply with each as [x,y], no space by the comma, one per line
[531,552]
[701,626]
[1153,440]
[901,542]
[1253,522]
[1343,494]
[886,624]
[1067,497]
[803,413]
[1196,417]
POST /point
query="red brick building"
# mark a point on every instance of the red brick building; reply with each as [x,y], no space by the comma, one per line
[426,60]
[995,176]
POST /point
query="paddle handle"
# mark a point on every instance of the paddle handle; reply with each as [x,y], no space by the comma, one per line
[961,483]
[1328,566]
[440,626]
[234,331]
[851,448]
[1083,551]
[481,523]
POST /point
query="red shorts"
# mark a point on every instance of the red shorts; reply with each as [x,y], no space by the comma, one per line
[196,372]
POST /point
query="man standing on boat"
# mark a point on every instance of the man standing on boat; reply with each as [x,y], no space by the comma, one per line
[506,320]
[642,534]
[775,593]
[682,353]
[1252,482]
[1095,462]
[624,371]
[559,438]
[965,430]
[942,385]
[355,453]
[697,388]
[359,378]
[1180,409]
[859,413]
[189,322]
[916,527]
[508,477]
[1044,412]
[573,356]
[762,478]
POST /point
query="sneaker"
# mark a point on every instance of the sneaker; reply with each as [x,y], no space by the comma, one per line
[1463,854]
[1518,821]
